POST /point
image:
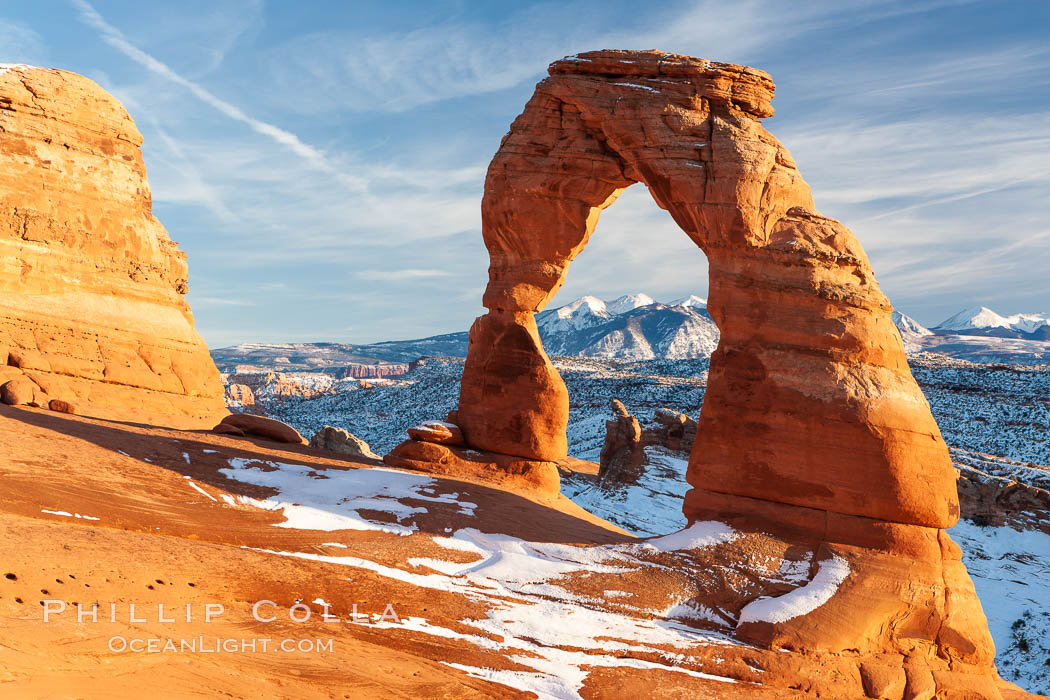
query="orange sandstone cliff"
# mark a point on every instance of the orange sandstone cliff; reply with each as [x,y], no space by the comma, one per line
[92,311]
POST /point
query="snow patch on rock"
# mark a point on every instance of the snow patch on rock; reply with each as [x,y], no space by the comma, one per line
[801,601]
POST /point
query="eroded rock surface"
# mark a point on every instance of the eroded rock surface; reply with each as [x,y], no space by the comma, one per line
[622,460]
[260,426]
[91,288]
[342,441]
[812,427]
[789,389]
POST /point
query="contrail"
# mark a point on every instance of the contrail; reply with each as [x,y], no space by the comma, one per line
[113,36]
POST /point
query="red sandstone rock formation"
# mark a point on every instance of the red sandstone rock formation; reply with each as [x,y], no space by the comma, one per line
[622,459]
[438,432]
[812,427]
[789,391]
[91,287]
[996,500]
[342,441]
[261,426]
[239,394]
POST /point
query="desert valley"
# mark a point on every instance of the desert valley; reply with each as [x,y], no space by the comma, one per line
[786,488]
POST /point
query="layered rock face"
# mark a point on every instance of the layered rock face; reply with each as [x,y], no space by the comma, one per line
[812,427]
[91,287]
[622,459]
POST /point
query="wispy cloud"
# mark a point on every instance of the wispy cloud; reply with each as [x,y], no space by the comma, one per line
[220,301]
[929,159]
[934,152]
[394,71]
[20,44]
[398,71]
[1023,65]
[112,36]
[401,274]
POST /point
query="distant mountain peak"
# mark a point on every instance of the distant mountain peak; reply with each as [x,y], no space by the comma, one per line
[691,301]
[974,317]
[586,304]
[628,302]
[981,318]
[908,325]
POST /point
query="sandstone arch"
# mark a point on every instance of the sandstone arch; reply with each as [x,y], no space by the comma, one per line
[813,435]
[810,401]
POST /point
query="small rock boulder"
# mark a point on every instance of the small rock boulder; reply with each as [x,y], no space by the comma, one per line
[20,391]
[263,427]
[437,431]
[676,431]
[62,406]
[342,442]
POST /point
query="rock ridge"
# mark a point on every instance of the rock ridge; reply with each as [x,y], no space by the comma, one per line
[91,286]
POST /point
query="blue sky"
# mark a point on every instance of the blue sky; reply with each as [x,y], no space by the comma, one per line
[322,163]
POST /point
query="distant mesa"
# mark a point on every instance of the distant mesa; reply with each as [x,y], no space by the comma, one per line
[92,311]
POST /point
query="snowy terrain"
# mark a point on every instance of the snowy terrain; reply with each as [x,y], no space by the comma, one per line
[528,588]
[996,409]
[996,418]
[1002,410]
[1011,572]
[1010,568]
[993,409]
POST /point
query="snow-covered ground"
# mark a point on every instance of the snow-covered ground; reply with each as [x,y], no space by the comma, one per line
[1011,572]
[652,507]
[525,586]
[1002,410]
[1010,569]
[994,409]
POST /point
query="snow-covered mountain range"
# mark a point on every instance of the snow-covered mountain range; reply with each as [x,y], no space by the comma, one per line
[979,334]
[637,327]
[980,320]
[634,327]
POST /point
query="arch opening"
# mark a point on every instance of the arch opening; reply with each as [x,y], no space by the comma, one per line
[636,248]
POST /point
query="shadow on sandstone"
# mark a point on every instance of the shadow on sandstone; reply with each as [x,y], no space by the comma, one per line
[201,454]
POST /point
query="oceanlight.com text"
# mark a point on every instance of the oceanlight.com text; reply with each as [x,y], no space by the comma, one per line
[218,645]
